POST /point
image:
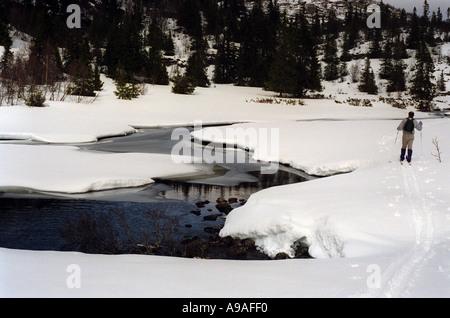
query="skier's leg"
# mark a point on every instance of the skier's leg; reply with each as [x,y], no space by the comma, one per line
[408,158]
[404,145]
[410,151]
[402,154]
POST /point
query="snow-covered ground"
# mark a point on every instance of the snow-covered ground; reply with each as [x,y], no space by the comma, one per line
[382,230]
[68,169]
[381,211]
[378,208]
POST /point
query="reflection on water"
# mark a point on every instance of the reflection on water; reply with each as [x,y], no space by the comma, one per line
[195,191]
[36,224]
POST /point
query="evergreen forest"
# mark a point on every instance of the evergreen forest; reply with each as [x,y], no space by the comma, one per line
[248,43]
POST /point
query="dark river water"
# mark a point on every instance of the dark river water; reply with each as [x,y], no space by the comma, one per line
[168,210]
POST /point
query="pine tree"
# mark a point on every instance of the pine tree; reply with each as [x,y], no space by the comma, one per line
[114,43]
[125,43]
[386,62]
[375,50]
[429,36]
[97,83]
[425,19]
[316,28]
[396,81]
[331,70]
[225,62]
[351,27]
[43,63]
[168,45]
[183,84]
[422,88]
[196,69]
[80,67]
[229,14]
[126,88]
[439,18]
[310,59]
[8,56]
[133,55]
[189,17]
[367,81]
[210,10]
[83,81]
[257,46]
[441,83]
[155,69]
[392,65]
[283,75]
[343,70]
[296,68]
[415,34]
[5,38]
[331,27]
[345,55]
[399,48]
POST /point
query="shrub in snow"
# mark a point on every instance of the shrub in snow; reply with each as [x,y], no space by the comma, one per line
[82,87]
[359,102]
[36,99]
[183,85]
[125,90]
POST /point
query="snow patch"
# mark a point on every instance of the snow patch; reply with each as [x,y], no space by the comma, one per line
[67,169]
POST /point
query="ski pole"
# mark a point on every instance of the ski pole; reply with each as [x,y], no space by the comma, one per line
[421,143]
[395,141]
[421,139]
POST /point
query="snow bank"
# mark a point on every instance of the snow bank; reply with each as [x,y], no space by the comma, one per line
[71,170]
[379,209]
[362,214]
[59,123]
[317,147]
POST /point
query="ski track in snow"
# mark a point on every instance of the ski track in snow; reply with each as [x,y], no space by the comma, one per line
[401,274]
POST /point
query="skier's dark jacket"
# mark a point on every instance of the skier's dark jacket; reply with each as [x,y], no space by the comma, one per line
[416,126]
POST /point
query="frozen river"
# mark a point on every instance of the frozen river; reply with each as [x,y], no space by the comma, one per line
[178,207]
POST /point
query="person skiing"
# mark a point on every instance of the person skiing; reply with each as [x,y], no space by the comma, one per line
[408,125]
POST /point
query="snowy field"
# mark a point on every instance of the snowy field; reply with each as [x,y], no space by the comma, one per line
[382,230]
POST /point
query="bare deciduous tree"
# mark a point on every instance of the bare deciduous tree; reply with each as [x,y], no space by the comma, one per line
[437,155]
[355,72]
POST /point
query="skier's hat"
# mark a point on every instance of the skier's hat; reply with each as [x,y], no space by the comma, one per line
[411,114]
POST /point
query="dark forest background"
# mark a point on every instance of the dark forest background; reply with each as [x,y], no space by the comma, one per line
[250,43]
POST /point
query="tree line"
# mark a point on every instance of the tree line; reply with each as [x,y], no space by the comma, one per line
[255,45]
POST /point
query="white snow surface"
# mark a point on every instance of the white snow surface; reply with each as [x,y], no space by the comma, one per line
[380,230]
[68,169]
[381,209]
